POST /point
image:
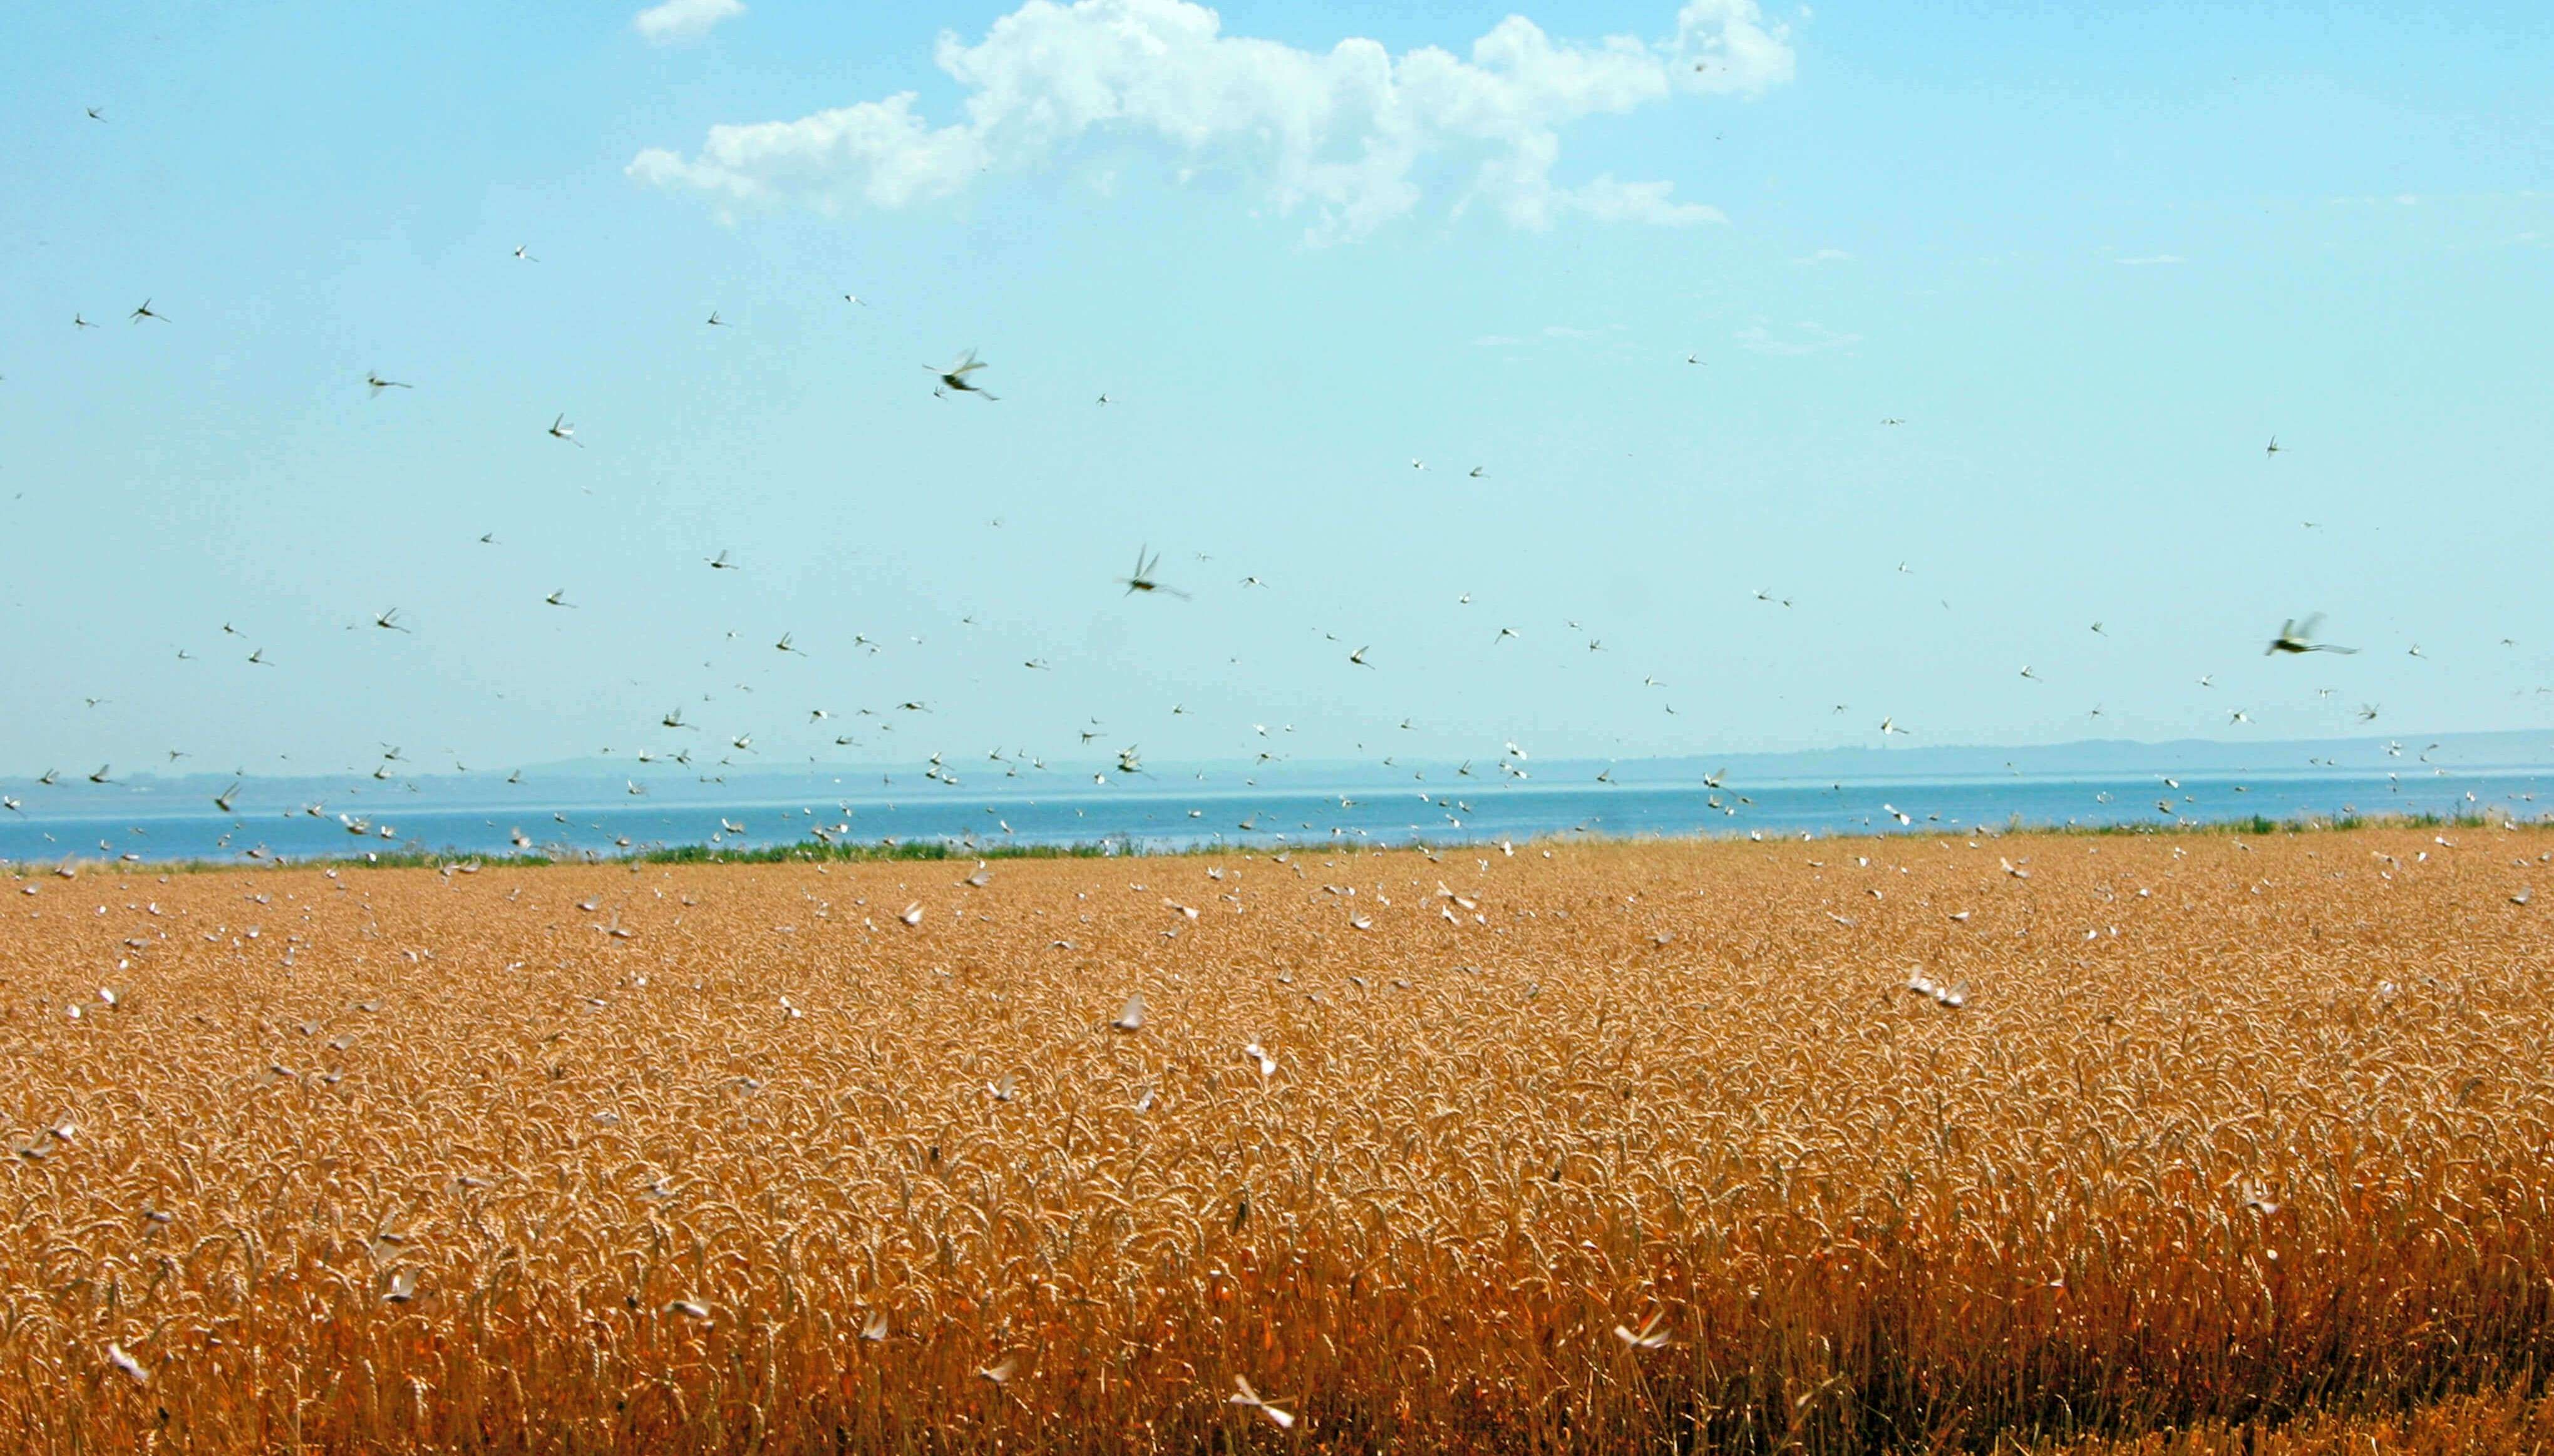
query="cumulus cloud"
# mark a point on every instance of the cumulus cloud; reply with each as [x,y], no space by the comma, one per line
[1354,136]
[2152,260]
[679,21]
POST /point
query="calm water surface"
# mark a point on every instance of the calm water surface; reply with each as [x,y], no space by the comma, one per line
[1246,819]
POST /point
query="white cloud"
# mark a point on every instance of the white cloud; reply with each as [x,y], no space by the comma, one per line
[1608,200]
[1801,339]
[2152,260]
[679,21]
[1824,254]
[1353,135]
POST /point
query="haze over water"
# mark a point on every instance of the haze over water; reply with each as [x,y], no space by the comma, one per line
[589,818]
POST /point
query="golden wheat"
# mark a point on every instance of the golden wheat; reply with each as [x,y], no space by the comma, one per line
[1587,1147]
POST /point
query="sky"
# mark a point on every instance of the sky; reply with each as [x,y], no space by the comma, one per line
[1821,367]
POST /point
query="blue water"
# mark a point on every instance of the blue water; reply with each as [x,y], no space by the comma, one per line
[1261,820]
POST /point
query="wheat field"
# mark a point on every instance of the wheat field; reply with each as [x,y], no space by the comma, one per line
[1629,1147]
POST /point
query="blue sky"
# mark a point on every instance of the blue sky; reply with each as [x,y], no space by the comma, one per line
[2093,261]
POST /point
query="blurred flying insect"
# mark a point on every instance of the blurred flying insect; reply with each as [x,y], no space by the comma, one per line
[953,378]
[1143,580]
[1243,1395]
[2298,637]
[1648,1337]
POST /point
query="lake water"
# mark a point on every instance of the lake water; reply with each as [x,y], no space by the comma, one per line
[1491,812]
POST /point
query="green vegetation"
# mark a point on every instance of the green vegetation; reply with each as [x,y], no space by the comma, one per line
[816,852]
[2262,824]
[886,849]
[806,852]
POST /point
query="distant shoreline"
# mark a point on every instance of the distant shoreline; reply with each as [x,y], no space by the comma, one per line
[452,862]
